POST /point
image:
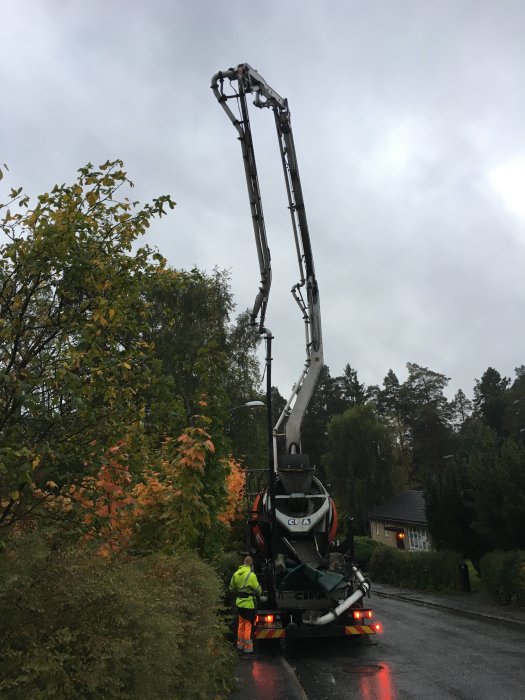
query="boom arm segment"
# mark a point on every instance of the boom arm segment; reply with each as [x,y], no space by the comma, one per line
[250,168]
[249,81]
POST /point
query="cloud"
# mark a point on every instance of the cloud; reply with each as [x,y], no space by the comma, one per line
[508,180]
[408,121]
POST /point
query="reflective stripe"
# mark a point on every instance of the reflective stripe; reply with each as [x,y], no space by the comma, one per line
[245,580]
[246,586]
[244,634]
[270,634]
[245,591]
[359,629]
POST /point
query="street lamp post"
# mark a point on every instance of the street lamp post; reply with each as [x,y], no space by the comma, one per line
[248,404]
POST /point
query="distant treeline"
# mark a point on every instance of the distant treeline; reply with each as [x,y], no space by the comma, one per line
[467,455]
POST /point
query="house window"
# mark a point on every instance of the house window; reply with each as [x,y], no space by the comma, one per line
[418,539]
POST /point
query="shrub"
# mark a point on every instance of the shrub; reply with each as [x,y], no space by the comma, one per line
[504,576]
[363,549]
[433,571]
[225,564]
[74,625]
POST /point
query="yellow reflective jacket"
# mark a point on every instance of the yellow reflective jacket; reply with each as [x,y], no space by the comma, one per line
[244,582]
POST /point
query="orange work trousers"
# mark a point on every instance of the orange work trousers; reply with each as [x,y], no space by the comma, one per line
[244,635]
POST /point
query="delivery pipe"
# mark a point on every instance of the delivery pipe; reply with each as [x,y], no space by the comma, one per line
[364,587]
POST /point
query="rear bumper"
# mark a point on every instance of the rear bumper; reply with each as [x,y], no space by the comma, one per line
[309,631]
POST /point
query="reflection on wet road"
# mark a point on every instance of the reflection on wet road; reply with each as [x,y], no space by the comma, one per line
[375,681]
[270,677]
[266,676]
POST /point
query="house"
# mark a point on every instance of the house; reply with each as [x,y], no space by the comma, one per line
[402,522]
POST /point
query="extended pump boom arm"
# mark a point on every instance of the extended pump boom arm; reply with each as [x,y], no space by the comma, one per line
[248,81]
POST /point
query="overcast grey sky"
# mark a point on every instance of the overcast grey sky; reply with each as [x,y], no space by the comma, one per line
[409,123]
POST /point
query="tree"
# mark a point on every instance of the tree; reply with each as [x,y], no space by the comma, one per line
[74,365]
[489,399]
[102,344]
[189,314]
[461,409]
[475,503]
[514,416]
[332,396]
[246,427]
[278,403]
[360,462]
[497,471]
[351,391]
[426,411]
[314,429]
[389,406]
[450,509]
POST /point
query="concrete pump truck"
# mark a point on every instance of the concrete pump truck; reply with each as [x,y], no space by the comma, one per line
[311,585]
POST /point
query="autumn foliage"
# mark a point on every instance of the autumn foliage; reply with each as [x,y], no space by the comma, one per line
[164,509]
[235,484]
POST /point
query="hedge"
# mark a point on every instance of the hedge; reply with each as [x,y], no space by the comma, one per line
[503,574]
[363,549]
[431,571]
[76,626]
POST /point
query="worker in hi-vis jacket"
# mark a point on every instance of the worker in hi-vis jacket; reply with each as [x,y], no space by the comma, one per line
[246,587]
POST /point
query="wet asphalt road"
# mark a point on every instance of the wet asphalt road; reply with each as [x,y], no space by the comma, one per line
[422,653]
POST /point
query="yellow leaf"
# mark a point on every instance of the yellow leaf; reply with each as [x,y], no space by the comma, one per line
[51,484]
[126,365]
[14,495]
[35,462]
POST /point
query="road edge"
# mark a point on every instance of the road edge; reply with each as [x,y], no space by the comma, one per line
[501,620]
[289,669]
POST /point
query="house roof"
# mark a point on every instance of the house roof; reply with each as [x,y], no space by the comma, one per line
[407,507]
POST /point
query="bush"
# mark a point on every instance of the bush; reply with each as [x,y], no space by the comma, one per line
[431,571]
[503,574]
[225,564]
[75,626]
[363,549]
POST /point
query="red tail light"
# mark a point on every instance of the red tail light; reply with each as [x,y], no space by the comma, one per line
[264,619]
[361,614]
[378,628]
